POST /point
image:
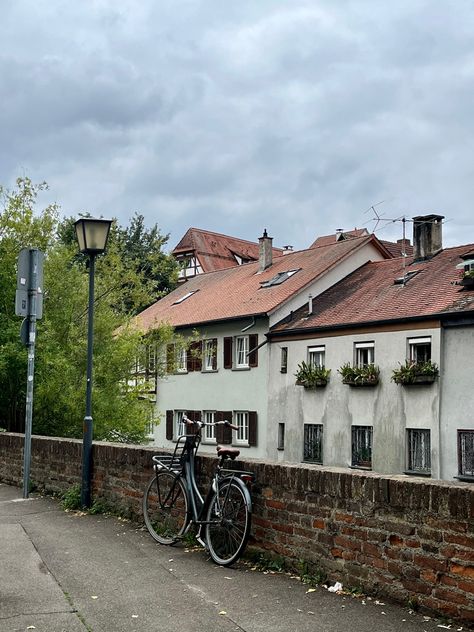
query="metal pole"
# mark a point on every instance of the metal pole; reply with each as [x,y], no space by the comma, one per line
[32,291]
[88,426]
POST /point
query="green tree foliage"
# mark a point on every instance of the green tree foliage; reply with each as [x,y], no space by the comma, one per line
[134,273]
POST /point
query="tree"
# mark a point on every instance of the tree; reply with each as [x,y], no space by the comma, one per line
[133,273]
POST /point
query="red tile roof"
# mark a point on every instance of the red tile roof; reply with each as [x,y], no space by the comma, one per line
[369,294]
[395,248]
[325,240]
[216,251]
[237,292]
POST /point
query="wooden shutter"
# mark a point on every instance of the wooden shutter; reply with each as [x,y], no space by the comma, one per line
[228,352]
[170,358]
[252,428]
[214,354]
[198,355]
[223,433]
[253,344]
[169,425]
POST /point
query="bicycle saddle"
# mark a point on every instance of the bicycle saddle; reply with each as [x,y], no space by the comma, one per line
[231,453]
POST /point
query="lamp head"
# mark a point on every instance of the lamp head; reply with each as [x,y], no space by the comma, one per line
[92,234]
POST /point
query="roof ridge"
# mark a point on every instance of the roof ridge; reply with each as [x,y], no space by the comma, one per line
[211,232]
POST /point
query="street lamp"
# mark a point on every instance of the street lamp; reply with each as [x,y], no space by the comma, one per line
[92,235]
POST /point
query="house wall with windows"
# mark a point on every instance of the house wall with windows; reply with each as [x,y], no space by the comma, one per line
[239,391]
[328,424]
[457,414]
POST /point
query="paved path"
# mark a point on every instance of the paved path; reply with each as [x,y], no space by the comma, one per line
[71,572]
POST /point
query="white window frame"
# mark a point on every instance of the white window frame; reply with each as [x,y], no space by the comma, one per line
[419,441]
[241,352]
[209,416]
[181,360]
[179,426]
[208,356]
[360,349]
[414,343]
[317,356]
[241,420]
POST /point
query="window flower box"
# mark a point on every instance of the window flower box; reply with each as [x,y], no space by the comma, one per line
[415,373]
[311,376]
[367,375]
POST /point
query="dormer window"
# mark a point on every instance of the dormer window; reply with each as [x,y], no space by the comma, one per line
[189,265]
[279,278]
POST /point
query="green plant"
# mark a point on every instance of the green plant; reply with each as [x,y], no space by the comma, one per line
[264,562]
[468,274]
[311,574]
[310,375]
[408,372]
[71,499]
[359,375]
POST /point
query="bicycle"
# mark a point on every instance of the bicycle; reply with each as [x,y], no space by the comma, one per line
[172,502]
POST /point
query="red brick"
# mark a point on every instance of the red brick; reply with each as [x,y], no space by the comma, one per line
[466,587]
[371,549]
[462,540]
[428,575]
[450,596]
[336,552]
[464,571]
[347,543]
[396,540]
[319,524]
[275,504]
[424,561]
[340,517]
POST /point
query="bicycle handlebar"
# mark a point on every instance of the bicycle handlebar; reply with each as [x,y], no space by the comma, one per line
[200,424]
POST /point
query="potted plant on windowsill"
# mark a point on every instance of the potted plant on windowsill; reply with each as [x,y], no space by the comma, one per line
[467,279]
[311,376]
[367,375]
[416,373]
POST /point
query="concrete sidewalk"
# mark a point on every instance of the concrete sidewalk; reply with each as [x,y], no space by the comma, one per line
[71,572]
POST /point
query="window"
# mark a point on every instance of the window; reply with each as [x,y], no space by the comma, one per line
[364,353]
[181,360]
[281,436]
[241,351]
[209,431]
[419,349]
[189,264]
[179,425]
[466,453]
[418,451]
[210,355]
[316,356]
[183,298]
[362,446]
[284,360]
[241,420]
[279,278]
[313,443]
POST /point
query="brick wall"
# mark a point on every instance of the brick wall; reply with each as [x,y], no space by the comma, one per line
[398,537]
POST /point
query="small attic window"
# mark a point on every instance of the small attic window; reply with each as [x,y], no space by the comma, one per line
[183,298]
[404,279]
[279,278]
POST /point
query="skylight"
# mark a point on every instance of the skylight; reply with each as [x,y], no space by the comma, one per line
[183,298]
[279,278]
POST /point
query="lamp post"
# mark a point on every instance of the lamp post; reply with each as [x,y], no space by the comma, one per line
[92,235]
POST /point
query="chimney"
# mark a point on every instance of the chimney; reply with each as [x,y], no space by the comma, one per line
[287,249]
[265,251]
[427,236]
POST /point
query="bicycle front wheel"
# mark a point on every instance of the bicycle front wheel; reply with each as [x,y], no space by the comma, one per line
[165,507]
[228,522]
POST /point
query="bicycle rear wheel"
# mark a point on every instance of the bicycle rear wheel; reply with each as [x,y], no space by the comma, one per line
[165,507]
[228,522]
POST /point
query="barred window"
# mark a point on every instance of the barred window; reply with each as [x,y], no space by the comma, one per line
[466,452]
[313,443]
[418,451]
[362,446]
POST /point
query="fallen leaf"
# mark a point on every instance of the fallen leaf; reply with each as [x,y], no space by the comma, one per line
[94,597]
[222,612]
[311,590]
[31,627]
[134,616]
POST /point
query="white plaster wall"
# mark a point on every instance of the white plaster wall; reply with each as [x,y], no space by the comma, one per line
[354,261]
[388,407]
[457,407]
[225,389]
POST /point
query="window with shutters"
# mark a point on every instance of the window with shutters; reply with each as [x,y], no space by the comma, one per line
[179,425]
[181,360]
[209,417]
[241,420]
[466,454]
[418,451]
[210,355]
[241,352]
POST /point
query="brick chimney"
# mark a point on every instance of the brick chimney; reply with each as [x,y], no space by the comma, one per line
[427,236]
[265,251]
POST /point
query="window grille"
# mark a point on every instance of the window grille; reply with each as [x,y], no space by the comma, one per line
[419,451]
[313,443]
[466,452]
[362,446]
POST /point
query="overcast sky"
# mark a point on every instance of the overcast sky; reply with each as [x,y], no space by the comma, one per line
[295,116]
